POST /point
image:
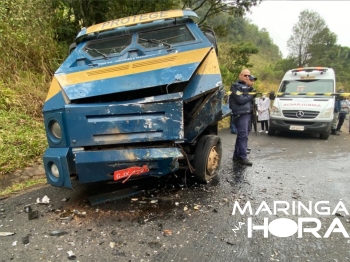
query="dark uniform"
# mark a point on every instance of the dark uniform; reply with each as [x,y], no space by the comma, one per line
[241,106]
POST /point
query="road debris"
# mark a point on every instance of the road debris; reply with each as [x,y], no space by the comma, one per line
[79,214]
[33,214]
[107,197]
[230,242]
[71,255]
[150,218]
[27,209]
[167,232]
[25,240]
[44,201]
[58,233]
[5,234]
[67,215]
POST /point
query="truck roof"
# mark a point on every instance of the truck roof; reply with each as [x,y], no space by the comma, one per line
[133,20]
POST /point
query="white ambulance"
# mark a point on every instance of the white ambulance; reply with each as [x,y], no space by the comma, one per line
[301,105]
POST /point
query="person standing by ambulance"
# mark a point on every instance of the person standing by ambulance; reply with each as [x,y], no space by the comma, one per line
[337,108]
[241,106]
[342,113]
[263,113]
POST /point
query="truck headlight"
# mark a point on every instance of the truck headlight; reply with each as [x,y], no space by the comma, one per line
[275,111]
[328,113]
[55,129]
[54,170]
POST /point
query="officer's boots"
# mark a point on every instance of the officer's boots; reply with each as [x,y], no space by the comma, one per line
[334,132]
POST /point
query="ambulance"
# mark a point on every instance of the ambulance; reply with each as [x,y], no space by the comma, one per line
[304,102]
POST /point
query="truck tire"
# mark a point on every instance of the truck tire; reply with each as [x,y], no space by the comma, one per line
[271,132]
[324,135]
[207,158]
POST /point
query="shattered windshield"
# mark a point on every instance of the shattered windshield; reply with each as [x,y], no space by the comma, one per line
[107,47]
[307,86]
[165,37]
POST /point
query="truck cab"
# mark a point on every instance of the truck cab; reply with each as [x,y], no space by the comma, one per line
[304,102]
[138,96]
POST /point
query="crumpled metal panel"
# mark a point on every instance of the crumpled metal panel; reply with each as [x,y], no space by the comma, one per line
[124,123]
[210,112]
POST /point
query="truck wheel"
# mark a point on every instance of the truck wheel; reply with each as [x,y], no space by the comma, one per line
[207,158]
[324,135]
[271,132]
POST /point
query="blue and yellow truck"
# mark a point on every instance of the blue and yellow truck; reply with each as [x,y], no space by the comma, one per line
[138,96]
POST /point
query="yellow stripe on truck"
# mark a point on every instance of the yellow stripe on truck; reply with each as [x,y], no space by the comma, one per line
[146,65]
[54,89]
[210,65]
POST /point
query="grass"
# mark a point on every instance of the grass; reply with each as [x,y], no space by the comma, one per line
[22,141]
[15,188]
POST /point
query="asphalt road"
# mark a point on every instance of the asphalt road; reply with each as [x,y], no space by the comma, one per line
[175,219]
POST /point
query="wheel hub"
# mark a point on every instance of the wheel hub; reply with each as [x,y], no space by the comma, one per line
[213,160]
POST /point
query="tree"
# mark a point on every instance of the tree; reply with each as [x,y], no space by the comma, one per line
[71,15]
[233,58]
[209,8]
[322,47]
[309,25]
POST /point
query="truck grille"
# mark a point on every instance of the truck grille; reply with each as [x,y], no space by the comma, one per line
[300,114]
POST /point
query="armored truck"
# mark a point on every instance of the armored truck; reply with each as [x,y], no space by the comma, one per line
[136,97]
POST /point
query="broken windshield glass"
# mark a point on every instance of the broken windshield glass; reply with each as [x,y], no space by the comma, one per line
[165,37]
[108,46]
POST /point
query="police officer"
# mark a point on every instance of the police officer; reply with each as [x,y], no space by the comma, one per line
[241,106]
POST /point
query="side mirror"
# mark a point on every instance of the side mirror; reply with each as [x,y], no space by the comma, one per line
[272,95]
[71,48]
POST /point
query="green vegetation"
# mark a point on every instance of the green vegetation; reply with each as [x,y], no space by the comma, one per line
[18,187]
[35,35]
[22,141]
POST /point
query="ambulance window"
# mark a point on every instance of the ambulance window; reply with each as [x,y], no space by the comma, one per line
[317,86]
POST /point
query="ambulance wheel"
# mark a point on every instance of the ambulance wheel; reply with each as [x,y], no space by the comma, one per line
[324,135]
[271,132]
[207,158]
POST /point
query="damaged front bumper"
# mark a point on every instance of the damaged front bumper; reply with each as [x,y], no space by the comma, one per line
[100,165]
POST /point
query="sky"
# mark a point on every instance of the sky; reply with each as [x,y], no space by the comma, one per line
[279,16]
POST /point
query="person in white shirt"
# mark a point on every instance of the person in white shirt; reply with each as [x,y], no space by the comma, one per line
[263,113]
[342,114]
